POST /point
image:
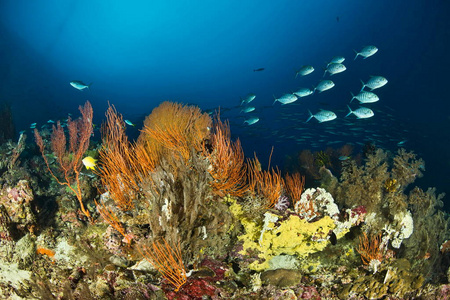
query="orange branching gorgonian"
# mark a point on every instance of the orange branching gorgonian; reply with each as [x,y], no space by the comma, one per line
[70,158]
[168,261]
[110,217]
[294,186]
[175,129]
[123,165]
[228,167]
[269,183]
[371,250]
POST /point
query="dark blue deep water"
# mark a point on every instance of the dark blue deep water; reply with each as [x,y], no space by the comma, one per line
[137,54]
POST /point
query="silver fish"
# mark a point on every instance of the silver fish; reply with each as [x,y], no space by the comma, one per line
[303,92]
[361,113]
[324,85]
[366,52]
[286,99]
[251,120]
[247,109]
[336,60]
[249,98]
[129,123]
[322,116]
[374,82]
[334,68]
[79,85]
[305,70]
[365,97]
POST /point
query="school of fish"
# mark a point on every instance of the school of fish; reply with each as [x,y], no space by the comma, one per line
[332,125]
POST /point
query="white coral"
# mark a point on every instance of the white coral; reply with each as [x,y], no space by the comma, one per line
[407,227]
[268,218]
[322,201]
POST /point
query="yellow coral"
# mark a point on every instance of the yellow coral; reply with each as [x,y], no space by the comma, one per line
[390,185]
[293,236]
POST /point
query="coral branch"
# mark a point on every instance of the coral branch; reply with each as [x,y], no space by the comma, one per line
[167,260]
[227,163]
[175,129]
[267,183]
[109,216]
[17,150]
[294,186]
[123,166]
[70,161]
[370,249]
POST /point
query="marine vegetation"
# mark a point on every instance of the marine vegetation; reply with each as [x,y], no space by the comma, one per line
[180,213]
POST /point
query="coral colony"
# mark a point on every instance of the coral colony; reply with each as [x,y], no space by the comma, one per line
[180,213]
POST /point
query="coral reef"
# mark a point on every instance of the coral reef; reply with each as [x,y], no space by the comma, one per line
[180,214]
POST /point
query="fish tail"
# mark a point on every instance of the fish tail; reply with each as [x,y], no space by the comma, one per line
[310,116]
[363,85]
[89,86]
[324,72]
[356,54]
[275,100]
[351,111]
[353,97]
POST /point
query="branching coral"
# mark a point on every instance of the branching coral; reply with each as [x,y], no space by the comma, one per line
[167,260]
[122,164]
[182,208]
[228,168]
[371,250]
[294,186]
[69,158]
[380,189]
[163,183]
[406,168]
[363,185]
[269,184]
[380,186]
[431,230]
[174,129]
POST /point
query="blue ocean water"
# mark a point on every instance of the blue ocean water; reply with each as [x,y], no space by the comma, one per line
[137,54]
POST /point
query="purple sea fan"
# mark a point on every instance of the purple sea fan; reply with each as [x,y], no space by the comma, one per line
[282,203]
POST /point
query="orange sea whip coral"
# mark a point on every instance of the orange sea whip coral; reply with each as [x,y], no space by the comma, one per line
[371,250]
[167,260]
[294,186]
[268,183]
[174,129]
[111,218]
[227,162]
[69,160]
[123,166]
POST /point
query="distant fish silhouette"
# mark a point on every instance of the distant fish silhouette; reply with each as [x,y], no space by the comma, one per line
[258,70]
[337,18]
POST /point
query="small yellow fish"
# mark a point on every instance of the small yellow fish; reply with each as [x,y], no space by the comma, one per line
[89,162]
